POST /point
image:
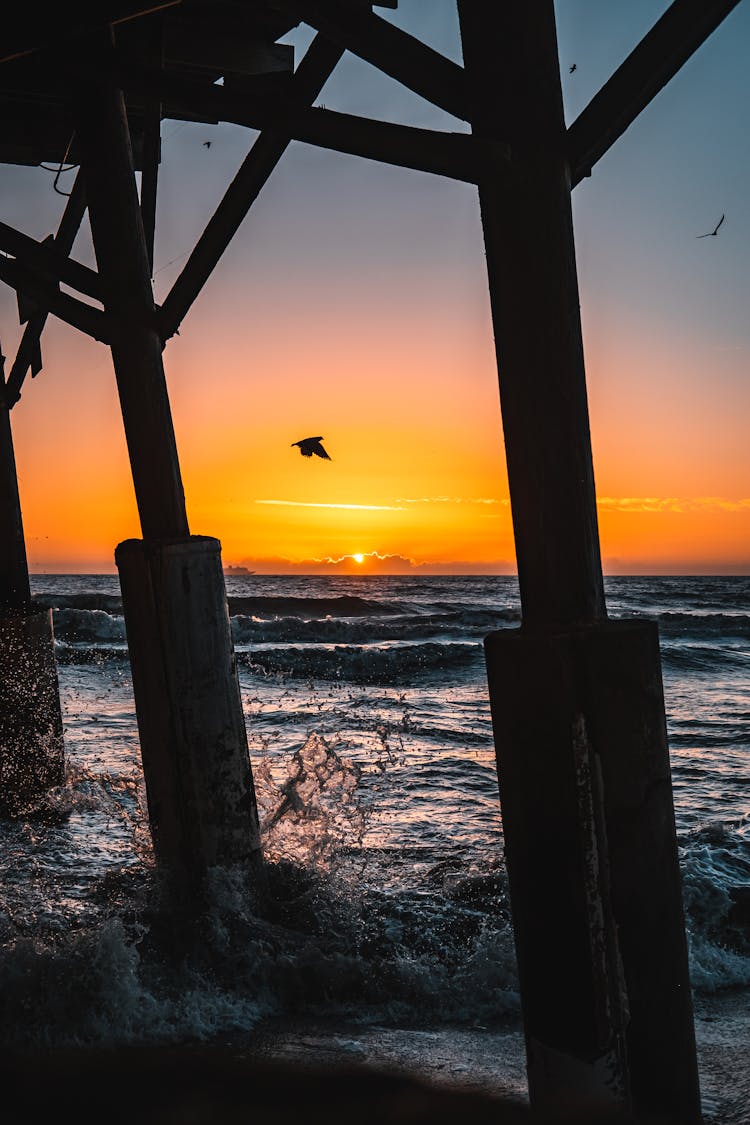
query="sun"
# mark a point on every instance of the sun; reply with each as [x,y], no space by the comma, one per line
[358,558]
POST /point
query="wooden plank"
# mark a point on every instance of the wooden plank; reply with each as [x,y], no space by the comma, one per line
[661,53]
[44,293]
[213,48]
[29,27]
[29,353]
[387,47]
[309,79]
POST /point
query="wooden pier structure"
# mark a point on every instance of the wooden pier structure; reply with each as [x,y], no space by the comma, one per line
[577,703]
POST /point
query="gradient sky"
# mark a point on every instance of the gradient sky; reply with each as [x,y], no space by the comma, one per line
[353,304]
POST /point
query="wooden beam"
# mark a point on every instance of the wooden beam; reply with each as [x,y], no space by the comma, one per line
[396,53]
[309,79]
[46,259]
[151,156]
[528,235]
[43,291]
[15,593]
[24,32]
[29,353]
[657,58]
[576,701]
[456,155]
[150,174]
[120,247]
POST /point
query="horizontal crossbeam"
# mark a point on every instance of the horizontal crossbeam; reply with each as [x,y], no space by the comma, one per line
[457,155]
[45,258]
[43,291]
[657,58]
[395,52]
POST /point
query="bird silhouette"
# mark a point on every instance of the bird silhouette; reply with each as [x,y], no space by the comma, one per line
[310,445]
[573,67]
[712,233]
[206,144]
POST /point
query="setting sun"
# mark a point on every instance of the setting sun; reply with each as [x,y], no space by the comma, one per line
[358,558]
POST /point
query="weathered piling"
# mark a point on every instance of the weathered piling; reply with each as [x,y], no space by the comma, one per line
[192,731]
[201,801]
[576,701]
[31,734]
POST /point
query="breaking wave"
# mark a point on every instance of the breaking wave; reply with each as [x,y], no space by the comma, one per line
[362,665]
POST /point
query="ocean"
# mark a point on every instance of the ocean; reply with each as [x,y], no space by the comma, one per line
[371,744]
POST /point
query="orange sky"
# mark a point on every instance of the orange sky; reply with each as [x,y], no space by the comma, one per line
[353,304]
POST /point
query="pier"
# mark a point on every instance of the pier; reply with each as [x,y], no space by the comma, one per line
[577,700]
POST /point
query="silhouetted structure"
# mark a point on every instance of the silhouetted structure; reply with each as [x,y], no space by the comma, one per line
[577,701]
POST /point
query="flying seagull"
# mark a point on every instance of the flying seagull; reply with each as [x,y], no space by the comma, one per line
[573,67]
[712,233]
[310,445]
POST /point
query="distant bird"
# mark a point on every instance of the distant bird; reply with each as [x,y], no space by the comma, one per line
[310,445]
[573,67]
[206,144]
[712,233]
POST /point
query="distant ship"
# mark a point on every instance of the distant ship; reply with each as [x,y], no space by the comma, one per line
[237,571]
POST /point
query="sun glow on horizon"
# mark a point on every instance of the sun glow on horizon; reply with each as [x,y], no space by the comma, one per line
[358,558]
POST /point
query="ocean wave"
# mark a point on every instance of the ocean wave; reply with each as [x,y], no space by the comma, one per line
[713,624]
[110,603]
[327,940]
[715,865]
[66,653]
[367,665]
[346,605]
[252,629]
[699,659]
[88,625]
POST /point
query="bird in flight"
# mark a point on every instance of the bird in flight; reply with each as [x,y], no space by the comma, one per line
[310,445]
[206,144]
[711,233]
[573,67]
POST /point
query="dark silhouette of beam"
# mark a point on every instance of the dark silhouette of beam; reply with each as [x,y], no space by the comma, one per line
[24,32]
[103,135]
[309,79]
[45,258]
[388,48]
[455,155]
[44,293]
[656,59]
[29,351]
[150,174]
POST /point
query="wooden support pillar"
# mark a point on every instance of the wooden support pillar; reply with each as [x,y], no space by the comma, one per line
[201,802]
[576,701]
[31,738]
[120,246]
[192,730]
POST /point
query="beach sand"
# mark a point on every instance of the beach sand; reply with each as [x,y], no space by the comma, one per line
[311,1071]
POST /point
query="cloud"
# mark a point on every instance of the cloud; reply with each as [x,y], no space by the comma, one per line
[354,507]
[375,563]
[452,500]
[675,504]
